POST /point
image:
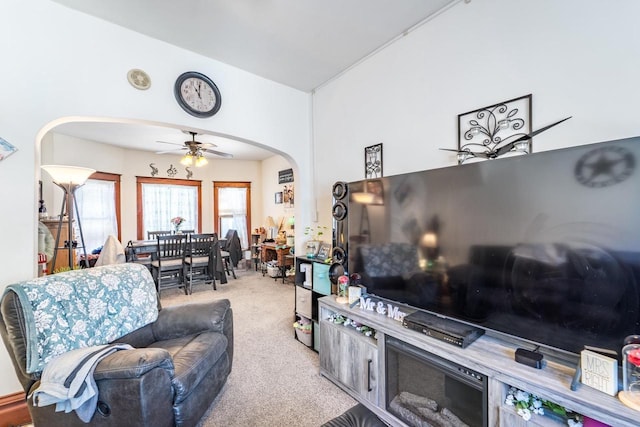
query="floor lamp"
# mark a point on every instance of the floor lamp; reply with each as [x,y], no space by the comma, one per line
[69,178]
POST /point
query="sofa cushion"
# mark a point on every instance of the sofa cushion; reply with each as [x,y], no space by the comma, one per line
[389,259]
[193,356]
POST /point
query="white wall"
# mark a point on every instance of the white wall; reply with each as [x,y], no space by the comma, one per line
[577,58]
[59,63]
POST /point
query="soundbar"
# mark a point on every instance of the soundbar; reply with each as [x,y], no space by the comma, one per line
[446,330]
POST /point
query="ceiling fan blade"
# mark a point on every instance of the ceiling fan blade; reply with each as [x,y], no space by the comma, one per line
[508,147]
[172,143]
[484,154]
[170,151]
[450,149]
[542,129]
[218,153]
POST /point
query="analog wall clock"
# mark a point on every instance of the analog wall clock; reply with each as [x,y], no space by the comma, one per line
[197,94]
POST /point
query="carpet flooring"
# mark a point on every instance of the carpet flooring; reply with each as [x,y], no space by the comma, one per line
[275,379]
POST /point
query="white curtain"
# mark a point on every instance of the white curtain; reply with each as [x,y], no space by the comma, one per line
[96,202]
[232,209]
[161,203]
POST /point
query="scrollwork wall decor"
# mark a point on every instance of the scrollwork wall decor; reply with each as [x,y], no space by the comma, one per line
[373,161]
[489,131]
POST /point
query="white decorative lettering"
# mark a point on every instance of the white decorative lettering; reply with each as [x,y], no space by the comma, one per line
[366,304]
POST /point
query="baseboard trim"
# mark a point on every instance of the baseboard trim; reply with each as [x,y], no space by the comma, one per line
[13,410]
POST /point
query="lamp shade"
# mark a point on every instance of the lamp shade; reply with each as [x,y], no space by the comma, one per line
[363,197]
[271,222]
[68,174]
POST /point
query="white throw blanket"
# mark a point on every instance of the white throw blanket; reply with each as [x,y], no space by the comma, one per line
[112,252]
[67,380]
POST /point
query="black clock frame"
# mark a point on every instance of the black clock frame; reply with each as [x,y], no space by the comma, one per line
[178,94]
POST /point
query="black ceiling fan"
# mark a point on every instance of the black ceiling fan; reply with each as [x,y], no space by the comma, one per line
[498,151]
[195,148]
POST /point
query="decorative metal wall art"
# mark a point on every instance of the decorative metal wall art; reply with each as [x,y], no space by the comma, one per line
[492,131]
[373,161]
[154,169]
[172,171]
[189,172]
[6,149]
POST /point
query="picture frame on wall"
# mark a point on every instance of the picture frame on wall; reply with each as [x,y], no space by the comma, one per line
[278,198]
[287,195]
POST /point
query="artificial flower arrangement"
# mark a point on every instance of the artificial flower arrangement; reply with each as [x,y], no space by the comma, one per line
[339,319]
[315,232]
[177,221]
[527,404]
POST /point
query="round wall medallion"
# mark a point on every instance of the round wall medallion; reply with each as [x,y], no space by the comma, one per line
[139,79]
[605,166]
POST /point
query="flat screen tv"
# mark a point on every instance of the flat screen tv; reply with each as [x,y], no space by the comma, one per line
[543,247]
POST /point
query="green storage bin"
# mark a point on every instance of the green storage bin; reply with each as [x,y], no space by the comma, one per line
[316,336]
[321,282]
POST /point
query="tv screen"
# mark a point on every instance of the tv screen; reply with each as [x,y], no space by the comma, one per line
[544,247]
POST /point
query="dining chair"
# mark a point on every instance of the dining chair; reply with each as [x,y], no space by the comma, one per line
[168,267]
[198,265]
[151,235]
[231,243]
[133,255]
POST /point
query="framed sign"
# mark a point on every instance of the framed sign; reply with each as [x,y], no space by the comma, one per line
[285,176]
[324,251]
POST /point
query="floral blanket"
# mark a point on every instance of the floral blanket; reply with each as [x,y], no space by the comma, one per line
[84,308]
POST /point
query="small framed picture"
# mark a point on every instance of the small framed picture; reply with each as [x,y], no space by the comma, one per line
[324,251]
[278,198]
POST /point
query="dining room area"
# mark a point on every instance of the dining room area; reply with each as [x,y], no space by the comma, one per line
[187,224]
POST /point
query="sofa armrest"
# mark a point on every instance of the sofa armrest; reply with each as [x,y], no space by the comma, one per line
[189,319]
[133,363]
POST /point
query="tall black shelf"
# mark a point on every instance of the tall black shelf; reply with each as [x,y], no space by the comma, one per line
[307,294]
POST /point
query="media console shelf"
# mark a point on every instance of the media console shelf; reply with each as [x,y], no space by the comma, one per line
[488,355]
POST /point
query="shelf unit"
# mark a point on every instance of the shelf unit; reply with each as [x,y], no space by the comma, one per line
[309,288]
[489,355]
[255,250]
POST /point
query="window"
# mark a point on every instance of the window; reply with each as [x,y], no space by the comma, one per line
[98,202]
[232,209]
[160,199]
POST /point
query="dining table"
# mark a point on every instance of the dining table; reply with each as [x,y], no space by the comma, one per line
[145,251]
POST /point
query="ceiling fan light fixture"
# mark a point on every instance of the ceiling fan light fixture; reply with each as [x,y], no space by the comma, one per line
[201,161]
[187,160]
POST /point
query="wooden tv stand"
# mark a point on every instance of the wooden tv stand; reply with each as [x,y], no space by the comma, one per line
[360,370]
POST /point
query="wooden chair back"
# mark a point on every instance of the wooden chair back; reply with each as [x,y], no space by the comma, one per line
[151,235]
[171,246]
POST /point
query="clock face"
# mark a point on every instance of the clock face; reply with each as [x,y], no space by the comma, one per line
[197,94]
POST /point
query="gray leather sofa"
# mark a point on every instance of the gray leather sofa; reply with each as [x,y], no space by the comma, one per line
[178,366]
